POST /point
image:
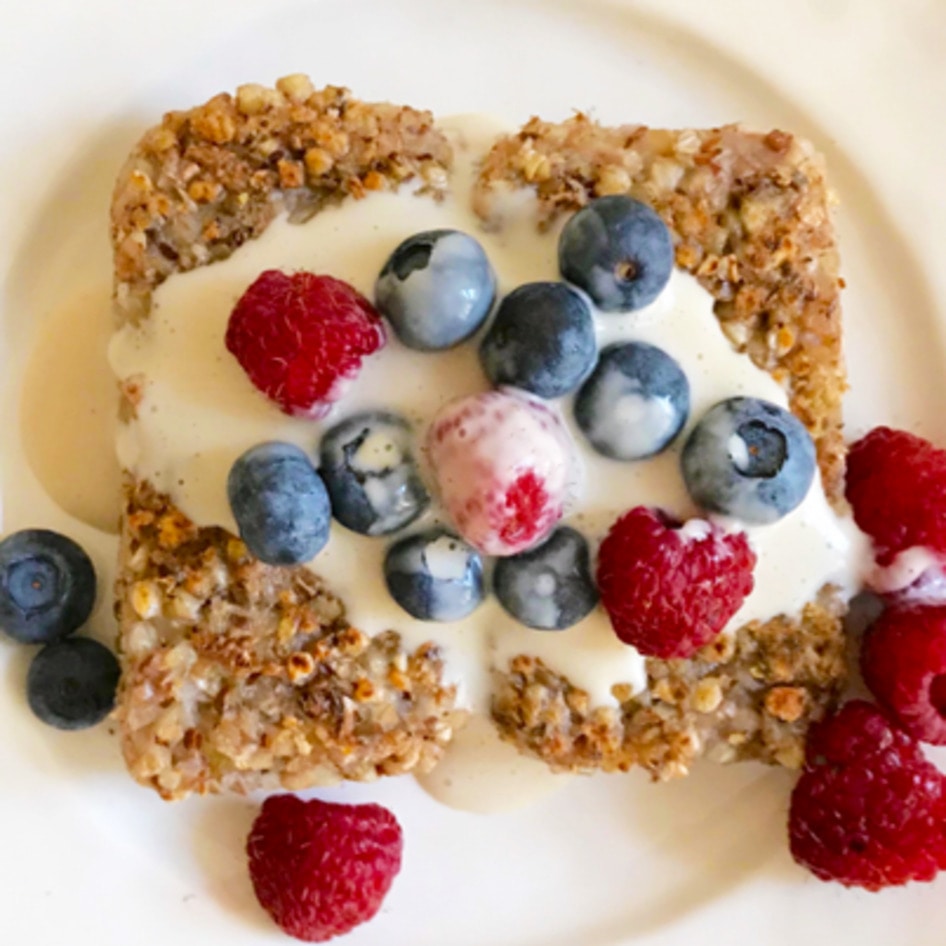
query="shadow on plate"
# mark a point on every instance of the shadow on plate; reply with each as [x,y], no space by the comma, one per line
[219,848]
[704,835]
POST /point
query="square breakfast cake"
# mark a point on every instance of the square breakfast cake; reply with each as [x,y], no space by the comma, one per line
[239,675]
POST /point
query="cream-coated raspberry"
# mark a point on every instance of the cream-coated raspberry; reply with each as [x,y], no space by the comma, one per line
[505,467]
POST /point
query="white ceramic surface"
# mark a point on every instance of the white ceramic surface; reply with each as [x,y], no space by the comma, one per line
[88,858]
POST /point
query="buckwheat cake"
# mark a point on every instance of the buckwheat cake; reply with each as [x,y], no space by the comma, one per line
[238,675]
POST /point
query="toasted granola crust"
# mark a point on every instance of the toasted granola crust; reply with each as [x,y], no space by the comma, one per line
[750,218]
[205,181]
[239,676]
[747,696]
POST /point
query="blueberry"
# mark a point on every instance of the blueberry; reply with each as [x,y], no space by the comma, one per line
[47,586]
[436,289]
[434,576]
[368,466]
[549,587]
[280,504]
[749,459]
[542,340]
[635,402]
[619,251]
[71,684]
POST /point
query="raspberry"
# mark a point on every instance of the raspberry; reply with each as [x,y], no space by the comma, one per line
[916,576]
[869,810]
[670,589]
[320,869]
[896,483]
[504,465]
[903,660]
[300,337]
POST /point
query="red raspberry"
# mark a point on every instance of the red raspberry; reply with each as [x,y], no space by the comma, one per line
[869,810]
[896,483]
[903,659]
[300,337]
[670,589]
[319,869]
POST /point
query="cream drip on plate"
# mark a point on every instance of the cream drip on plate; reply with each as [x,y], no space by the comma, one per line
[199,412]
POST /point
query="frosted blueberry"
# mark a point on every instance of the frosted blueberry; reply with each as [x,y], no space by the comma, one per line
[542,340]
[72,683]
[749,459]
[436,289]
[435,576]
[619,251]
[635,402]
[368,465]
[47,586]
[280,504]
[548,587]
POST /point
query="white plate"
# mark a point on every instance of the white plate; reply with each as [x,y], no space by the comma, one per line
[88,858]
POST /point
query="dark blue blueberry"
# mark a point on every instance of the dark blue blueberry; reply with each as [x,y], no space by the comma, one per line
[368,465]
[280,504]
[435,576]
[749,459]
[542,340]
[47,586]
[71,683]
[549,587]
[619,251]
[635,402]
[436,289]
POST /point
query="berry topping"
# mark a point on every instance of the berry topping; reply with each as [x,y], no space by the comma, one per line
[436,289]
[869,810]
[542,340]
[914,576]
[903,659]
[749,459]
[47,586]
[71,683]
[670,588]
[434,576]
[368,466]
[300,337]
[505,466]
[635,403]
[896,483]
[280,504]
[619,251]
[320,869]
[549,587]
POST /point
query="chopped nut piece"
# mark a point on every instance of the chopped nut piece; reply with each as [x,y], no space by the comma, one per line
[296,87]
[291,173]
[786,703]
[253,99]
[318,161]
[203,192]
[707,695]
[145,599]
[300,665]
